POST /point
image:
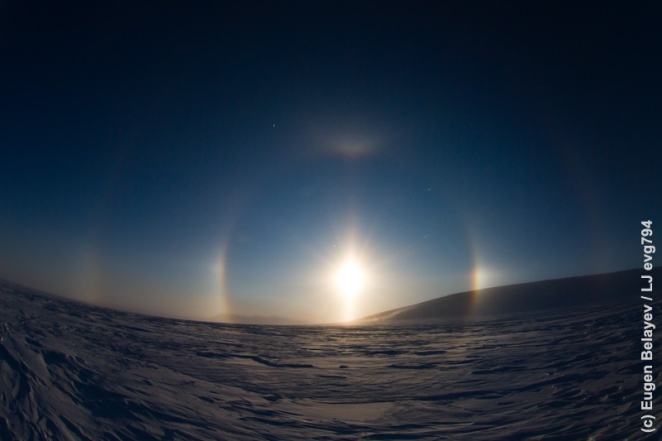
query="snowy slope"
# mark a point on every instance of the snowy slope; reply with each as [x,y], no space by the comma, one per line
[70,371]
[571,292]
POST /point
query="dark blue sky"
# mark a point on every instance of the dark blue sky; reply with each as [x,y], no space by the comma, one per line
[192,159]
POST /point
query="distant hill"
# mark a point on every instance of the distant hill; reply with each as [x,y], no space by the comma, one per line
[534,296]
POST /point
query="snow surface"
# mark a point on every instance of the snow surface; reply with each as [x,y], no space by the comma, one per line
[71,371]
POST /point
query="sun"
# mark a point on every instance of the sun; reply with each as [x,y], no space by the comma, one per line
[350,278]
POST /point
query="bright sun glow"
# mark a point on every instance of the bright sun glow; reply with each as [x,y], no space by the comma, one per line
[350,278]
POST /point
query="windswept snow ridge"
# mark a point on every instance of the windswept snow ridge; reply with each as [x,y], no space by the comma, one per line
[69,371]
